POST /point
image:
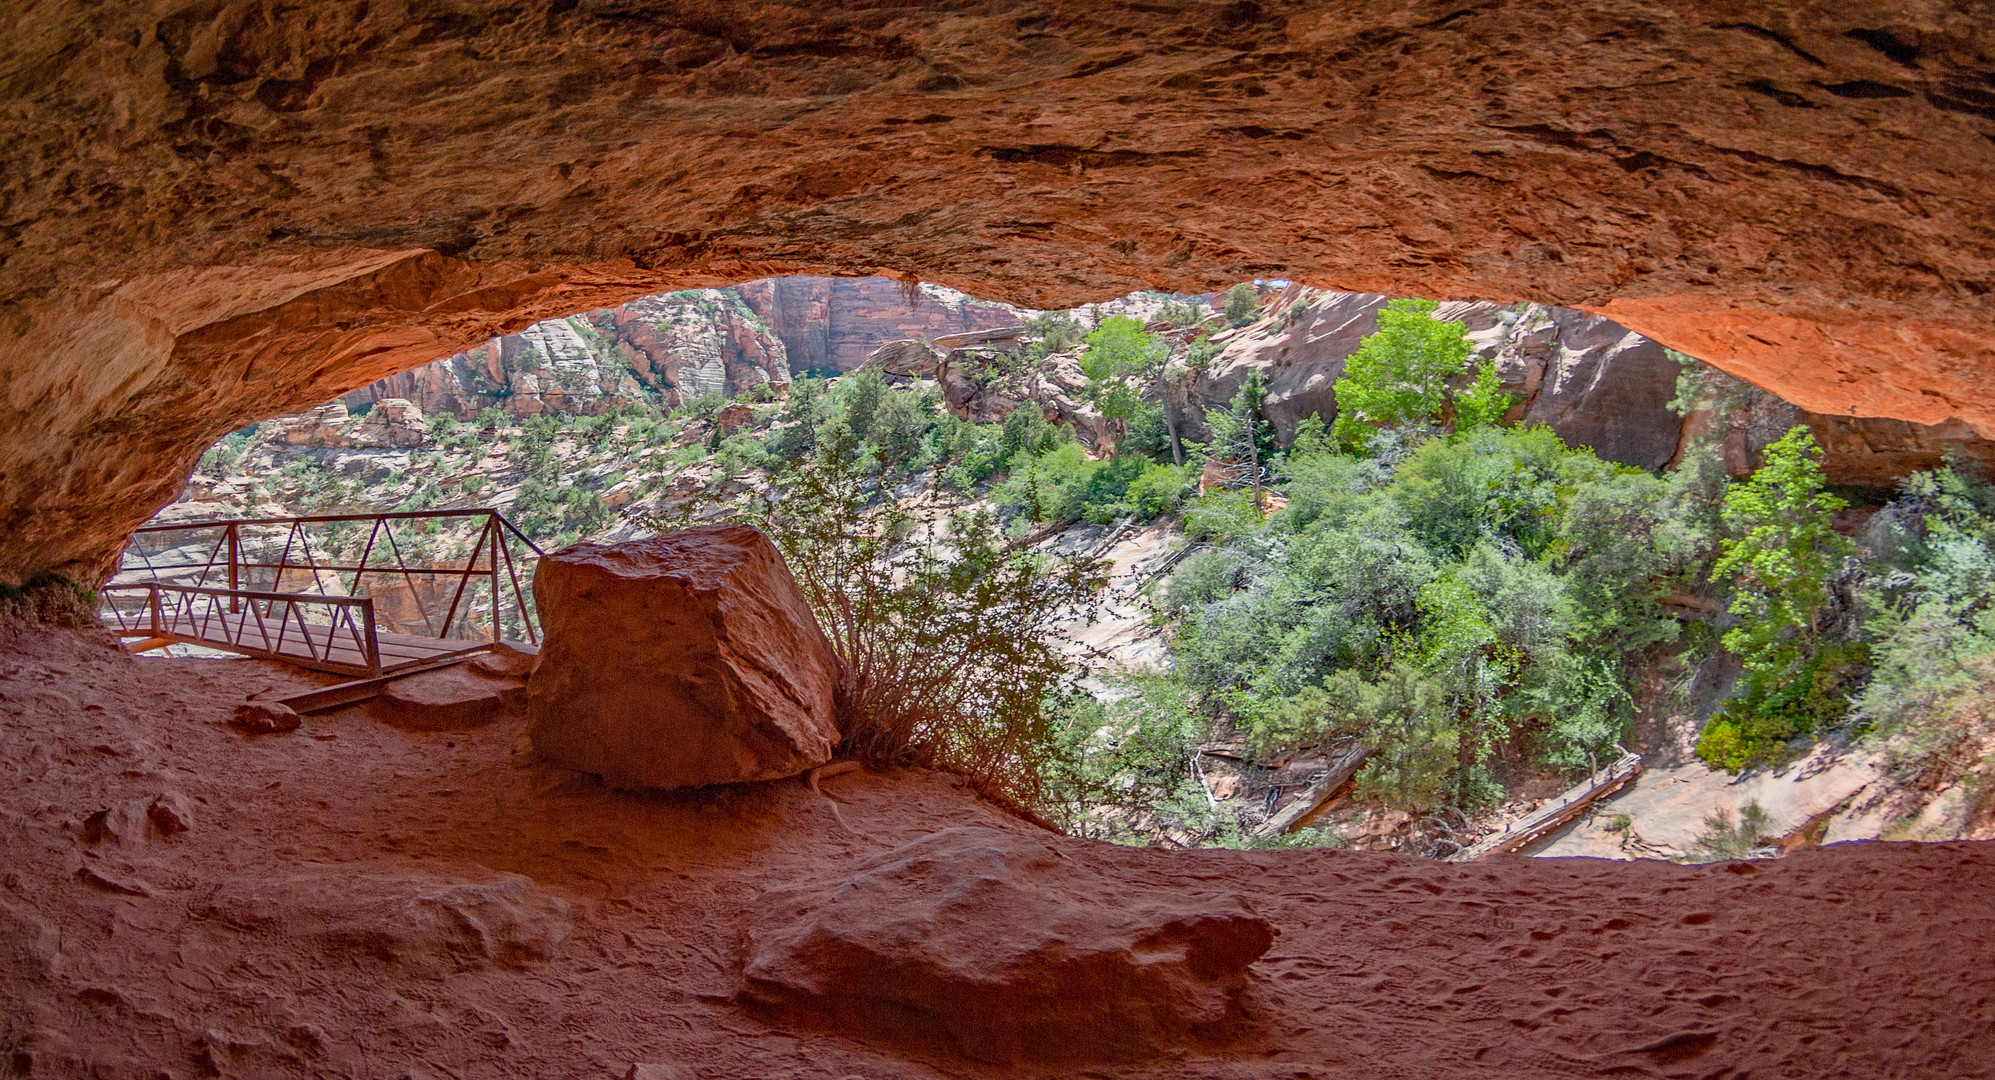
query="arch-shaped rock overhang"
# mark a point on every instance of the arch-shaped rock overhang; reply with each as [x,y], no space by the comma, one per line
[219,210]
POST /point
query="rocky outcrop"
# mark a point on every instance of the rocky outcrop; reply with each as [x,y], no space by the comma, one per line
[1002,948]
[981,386]
[672,347]
[908,356]
[831,325]
[218,214]
[686,344]
[393,423]
[682,660]
[1593,381]
[665,349]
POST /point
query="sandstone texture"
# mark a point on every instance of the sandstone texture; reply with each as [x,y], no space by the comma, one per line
[220,213]
[455,698]
[682,660]
[386,903]
[1001,948]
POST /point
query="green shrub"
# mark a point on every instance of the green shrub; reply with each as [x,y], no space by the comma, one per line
[1399,374]
[1158,489]
[1243,304]
[704,407]
[1064,484]
[949,652]
[1222,515]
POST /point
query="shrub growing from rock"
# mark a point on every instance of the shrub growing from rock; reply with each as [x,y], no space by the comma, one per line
[948,635]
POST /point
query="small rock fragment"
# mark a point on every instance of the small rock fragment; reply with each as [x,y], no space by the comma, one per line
[999,947]
[260,717]
[171,813]
[97,828]
[101,883]
[508,660]
[455,698]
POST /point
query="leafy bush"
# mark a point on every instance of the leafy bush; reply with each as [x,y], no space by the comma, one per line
[704,407]
[1158,489]
[1049,333]
[1064,484]
[948,647]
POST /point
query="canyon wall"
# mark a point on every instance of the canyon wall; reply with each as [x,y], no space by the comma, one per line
[1593,381]
[213,213]
[673,347]
[833,324]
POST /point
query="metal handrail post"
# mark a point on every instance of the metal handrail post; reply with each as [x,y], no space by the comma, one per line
[235,560]
[497,539]
[373,641]
[152,607]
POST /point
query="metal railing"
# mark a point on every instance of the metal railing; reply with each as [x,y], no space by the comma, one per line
[274,626]
[242,582]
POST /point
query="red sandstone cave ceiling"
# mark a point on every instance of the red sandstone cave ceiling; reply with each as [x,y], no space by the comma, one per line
[213,212]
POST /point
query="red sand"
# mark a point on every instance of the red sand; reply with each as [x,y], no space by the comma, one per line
[345,903]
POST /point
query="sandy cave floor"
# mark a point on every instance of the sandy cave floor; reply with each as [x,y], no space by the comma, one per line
[356,900]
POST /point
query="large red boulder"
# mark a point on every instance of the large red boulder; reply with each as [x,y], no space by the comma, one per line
[678,661]
[1002,948]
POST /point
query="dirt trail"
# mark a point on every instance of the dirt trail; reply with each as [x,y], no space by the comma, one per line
[353,899]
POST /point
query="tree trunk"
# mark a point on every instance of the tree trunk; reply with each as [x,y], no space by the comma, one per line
[1170,419]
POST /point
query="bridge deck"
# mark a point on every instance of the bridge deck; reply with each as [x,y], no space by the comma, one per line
[331,649]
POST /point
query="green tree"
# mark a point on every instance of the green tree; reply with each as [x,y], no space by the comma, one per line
[1241,436]
[1118,351]
[1484,402]
[1399,374]
[1243,304]
[1779,556]
[1049,333]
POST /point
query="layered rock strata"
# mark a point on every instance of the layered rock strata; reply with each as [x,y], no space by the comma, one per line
[679,661]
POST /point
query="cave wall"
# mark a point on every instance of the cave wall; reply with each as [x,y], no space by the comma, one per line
[216,212]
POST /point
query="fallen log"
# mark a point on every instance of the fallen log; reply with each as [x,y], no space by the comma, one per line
[1342,768]
[1548,818]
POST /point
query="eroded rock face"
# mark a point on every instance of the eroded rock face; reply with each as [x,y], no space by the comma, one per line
[219,214]
[411,922]
[832,325]
[1001,947]
[681,660]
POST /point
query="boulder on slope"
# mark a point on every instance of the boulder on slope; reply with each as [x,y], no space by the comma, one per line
[999,947]
[680,660]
